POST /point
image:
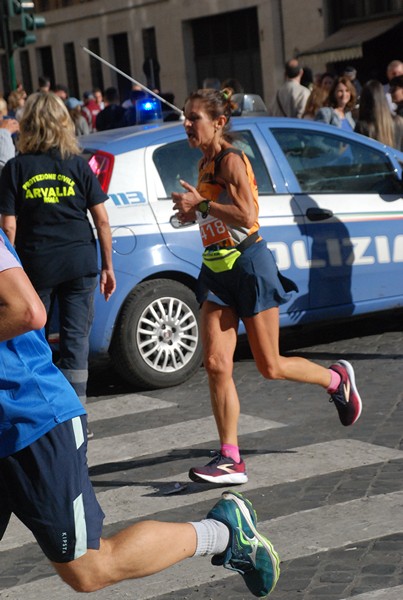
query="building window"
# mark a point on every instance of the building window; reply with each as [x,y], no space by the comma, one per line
[344,12]
[97,78]
[71,69]
[5,73]
[228,46]
[120,49]
[151,65]
[26,71]
[42,5]
[45,63]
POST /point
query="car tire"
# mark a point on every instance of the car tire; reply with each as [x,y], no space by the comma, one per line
[156,342]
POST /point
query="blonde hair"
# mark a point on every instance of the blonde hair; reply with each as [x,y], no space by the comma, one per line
[3,108]
[374,117]
[315,101]
[46,125]
[14,99]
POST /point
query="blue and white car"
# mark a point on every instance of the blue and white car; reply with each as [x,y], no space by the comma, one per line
[331,211]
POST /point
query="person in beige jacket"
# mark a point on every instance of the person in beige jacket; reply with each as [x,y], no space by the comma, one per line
[291,97]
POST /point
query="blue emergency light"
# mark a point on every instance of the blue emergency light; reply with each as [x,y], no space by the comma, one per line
[148,110]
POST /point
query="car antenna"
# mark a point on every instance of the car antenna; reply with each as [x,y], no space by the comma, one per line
[105,62]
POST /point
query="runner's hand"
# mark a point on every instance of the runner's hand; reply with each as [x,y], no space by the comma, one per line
[186,202]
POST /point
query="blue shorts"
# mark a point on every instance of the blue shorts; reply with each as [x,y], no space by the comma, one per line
[253,285]
[47,486]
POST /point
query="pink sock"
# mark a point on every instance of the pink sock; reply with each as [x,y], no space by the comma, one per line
[230,451]
[334,382]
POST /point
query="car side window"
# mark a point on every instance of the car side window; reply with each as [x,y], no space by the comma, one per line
[329,164]
[245,141]
[175,161]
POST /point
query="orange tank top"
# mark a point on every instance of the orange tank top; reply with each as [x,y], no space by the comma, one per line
[214,231]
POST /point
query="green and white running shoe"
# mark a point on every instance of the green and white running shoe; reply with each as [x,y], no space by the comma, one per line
[249,552]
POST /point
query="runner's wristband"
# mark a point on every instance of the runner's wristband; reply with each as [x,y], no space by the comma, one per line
[204,208]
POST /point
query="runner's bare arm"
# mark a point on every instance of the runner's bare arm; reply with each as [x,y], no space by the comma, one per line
[21,309]
[8,223]
[232,173]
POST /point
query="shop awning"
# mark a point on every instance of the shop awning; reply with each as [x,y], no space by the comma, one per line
[346,44]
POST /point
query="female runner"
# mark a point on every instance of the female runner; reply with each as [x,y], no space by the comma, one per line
[239,280]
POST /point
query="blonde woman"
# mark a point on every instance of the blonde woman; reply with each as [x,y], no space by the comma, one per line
[374,117]
[16,102]
[3,107]
[46,193]
[315,101]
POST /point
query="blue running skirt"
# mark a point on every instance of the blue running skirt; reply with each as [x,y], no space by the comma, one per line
[253,285]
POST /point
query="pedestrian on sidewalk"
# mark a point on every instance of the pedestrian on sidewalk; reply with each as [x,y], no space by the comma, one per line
[44,476]
[375,119]
[8,127]
[339,105]
[240,280]
[292,96]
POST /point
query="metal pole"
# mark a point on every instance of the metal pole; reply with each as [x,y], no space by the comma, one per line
[105,62]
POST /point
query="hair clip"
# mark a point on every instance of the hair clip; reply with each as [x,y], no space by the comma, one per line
[225,95]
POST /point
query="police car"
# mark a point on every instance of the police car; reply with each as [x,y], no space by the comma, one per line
[331,211]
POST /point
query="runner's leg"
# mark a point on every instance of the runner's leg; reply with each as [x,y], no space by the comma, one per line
[263,335]
[219,337]
[140,550]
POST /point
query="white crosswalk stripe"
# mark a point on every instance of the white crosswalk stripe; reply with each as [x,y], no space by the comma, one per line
[123,406]
[394,593]
[295,535]
[179,435]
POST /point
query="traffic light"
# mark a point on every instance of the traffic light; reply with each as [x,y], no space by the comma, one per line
[22,23]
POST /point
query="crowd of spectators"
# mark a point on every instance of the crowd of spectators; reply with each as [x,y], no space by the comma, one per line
[95,111]
[342,100]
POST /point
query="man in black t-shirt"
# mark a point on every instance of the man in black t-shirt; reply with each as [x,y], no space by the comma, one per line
[112,116]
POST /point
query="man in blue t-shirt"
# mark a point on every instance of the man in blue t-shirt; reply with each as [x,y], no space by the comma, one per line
[44,477]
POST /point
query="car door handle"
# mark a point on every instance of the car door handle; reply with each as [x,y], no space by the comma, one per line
[319,214]
[176,224]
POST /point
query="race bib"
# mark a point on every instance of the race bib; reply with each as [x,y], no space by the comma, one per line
[212,230]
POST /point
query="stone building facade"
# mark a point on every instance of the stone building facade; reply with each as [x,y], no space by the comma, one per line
[183,41]
[174,45]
